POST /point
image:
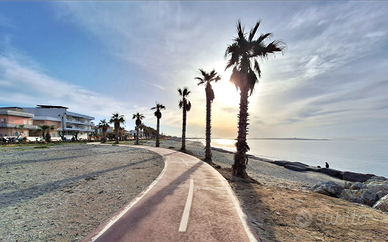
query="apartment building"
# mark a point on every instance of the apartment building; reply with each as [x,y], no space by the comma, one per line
[63,121]
[11,120]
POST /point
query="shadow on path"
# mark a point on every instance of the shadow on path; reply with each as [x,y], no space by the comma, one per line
[139,213]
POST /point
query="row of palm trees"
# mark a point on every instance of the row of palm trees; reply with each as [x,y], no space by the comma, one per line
[242,56]
[118,119]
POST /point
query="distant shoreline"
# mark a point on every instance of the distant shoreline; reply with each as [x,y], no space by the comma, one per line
[289,139]
[307,139]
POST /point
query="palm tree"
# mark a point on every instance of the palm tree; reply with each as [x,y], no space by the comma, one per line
[139,117]
[19,130]
[117,119]
[243,55]
[206,79]
[45,128]
[185,105]
[158,116]
[103,125]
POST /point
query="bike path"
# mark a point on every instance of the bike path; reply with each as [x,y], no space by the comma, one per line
[189,201]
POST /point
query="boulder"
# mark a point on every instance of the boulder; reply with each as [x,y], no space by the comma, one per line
[356,177]
[296,167]
[377,178]
[376,186]
[381,194]
[382,204]
[332,172]
[369,198]
[314,168]
[281,162]
[329,188]
[356,186]
[299,164]
[347,185]
[351,196]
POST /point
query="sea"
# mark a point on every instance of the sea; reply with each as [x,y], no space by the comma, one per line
[345,155]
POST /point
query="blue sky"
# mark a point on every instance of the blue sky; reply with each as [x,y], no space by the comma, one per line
[102,57]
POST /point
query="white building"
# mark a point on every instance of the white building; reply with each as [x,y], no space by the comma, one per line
[63,120]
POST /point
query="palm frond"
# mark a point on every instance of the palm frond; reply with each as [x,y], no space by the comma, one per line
[252,80]
[263,37]
[257,68]
[240,30]
[253,31]
[188,106]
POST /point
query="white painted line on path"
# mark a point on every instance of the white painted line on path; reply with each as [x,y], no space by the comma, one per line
[184,162]
[186,212]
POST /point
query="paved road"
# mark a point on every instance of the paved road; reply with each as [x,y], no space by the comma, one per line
[189,201]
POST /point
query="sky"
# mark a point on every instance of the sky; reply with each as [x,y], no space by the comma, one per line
[99,58]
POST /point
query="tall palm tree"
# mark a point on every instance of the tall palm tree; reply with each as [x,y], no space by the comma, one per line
[243,54]
[103,125]
[117,119]
[185,105]
[158,116]
[206,79]
[139,117]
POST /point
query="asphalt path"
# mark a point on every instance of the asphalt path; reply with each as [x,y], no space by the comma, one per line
[189,201]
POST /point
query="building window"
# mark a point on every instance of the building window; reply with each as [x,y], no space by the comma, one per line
[3,120]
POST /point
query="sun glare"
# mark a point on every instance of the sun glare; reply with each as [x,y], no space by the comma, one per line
[226,93]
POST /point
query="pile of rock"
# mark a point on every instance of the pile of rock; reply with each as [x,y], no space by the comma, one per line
[373,192]
[344,175]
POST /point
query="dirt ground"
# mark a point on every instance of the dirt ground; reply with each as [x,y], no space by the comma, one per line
[283,214]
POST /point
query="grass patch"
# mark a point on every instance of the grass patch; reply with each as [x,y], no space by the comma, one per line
[42,147]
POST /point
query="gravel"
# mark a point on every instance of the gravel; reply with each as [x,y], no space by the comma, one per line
[62,193]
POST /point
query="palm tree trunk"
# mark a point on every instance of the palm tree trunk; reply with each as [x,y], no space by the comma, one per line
[157,131]
[208,152]
[240,158]
[137,135]
[117,132]
[184,128]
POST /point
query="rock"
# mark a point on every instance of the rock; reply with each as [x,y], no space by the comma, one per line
[377,178]
[347,185]
[296,167]
[356,177]
[281,162]
[382,204]
[298,164]
[368,198]
[376,186]
[328,188]
[332,172]
[352,196]
[356,186]
[313,168]
[381,194]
